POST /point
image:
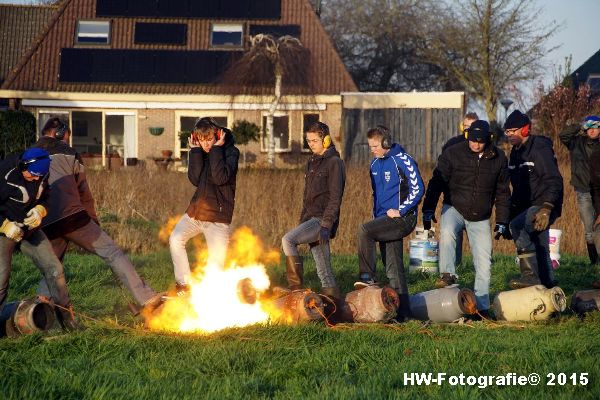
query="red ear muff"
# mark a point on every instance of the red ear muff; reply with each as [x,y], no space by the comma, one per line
[525,130]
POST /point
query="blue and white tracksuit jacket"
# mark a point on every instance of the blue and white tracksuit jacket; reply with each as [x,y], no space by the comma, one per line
[396,183]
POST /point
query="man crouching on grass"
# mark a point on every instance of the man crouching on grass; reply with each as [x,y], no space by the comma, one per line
[212,169]
[324,182]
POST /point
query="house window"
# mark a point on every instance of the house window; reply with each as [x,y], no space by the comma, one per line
[281,133]
[186,126]
[44,116]
[93,32]
[594,83]
[226,35]
[307,121]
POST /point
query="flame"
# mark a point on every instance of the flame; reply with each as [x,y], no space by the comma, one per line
[167,228]
[216,301]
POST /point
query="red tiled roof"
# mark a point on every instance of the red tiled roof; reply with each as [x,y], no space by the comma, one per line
[19,27]
[39,70]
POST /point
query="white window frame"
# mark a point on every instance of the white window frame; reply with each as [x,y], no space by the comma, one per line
[302,133]
[195,114]
[84,22]
[263,132]
[227,27]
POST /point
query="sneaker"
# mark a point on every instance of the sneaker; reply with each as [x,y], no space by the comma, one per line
[446,279]
[363,284]
[182,289]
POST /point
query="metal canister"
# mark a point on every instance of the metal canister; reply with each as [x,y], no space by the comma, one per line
[443,305]
[370,305]
[532,303]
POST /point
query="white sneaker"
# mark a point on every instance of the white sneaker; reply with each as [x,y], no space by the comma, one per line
[363,284]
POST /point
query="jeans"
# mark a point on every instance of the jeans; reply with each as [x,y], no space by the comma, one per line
[479,234]
[216,235]
[308,232]
[587,214]
[389,232]
[527,239]
[94,240]
[38,248]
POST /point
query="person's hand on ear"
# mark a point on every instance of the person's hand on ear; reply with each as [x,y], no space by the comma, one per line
[221,138]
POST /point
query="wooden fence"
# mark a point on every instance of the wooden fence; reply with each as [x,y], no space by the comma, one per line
[421,127]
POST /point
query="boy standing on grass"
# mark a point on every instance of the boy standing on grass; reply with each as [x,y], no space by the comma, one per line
[324,182]
[475,173]
[23,199]
[536,202]
[397,190]
[212,168]
[582,140]
[72,214]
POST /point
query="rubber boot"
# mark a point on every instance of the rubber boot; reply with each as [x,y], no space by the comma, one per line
[403,313]
[529,271]
[592,253]
[294,271]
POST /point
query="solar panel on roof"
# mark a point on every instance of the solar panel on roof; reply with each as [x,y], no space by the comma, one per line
[275,30]
[215,9]
[158,33]
[143,66]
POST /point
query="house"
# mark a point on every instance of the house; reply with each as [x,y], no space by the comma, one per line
[589,74]
[130,75]
[19,27]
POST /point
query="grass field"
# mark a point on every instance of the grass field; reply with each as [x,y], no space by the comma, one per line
[114,358]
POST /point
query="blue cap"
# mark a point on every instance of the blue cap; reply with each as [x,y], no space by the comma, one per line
[591,121]
[36,161]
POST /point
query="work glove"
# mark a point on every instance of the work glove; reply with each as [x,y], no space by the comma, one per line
[11,230]
[541,219]
[323,236]
[502,231]
[35,216]
[428,216]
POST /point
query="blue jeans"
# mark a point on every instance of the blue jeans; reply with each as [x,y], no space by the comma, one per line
[527,239]
[38,248]
[587,214]
[479,234]
[94,240]
[217,239]
[308,232]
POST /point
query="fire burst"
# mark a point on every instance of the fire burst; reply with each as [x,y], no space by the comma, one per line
[222,297]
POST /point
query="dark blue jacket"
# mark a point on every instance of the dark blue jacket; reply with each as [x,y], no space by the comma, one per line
[534,176]
[396,183]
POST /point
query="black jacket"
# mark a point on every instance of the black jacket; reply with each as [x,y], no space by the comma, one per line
[214,175]
[595,179]
[580,148]
[324,182]
[534,176]
[475,182]
[17,195]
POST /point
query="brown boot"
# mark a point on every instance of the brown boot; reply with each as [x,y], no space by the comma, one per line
[529,271]
[295,272]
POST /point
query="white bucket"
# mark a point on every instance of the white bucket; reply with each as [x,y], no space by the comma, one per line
[554,242]
[423,256]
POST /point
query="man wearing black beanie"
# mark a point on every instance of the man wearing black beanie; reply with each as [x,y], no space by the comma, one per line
[536,202]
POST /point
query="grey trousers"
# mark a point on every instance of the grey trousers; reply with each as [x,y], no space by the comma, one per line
[93,239]
[37,247]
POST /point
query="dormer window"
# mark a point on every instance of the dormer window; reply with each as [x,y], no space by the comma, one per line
[93,32]
[226,35]
[594,82]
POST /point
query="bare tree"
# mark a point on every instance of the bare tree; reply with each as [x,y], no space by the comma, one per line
[274,66]
[381,45]
[487,45]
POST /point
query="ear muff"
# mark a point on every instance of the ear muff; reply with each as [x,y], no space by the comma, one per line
[461,128]
[386,137]
[22,165]
[525,130]
[326,141]
[61,131]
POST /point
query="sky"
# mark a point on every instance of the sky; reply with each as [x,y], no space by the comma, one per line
[579,35]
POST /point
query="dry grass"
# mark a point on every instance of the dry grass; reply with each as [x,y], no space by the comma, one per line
[134,203]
